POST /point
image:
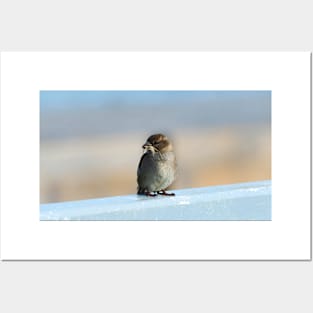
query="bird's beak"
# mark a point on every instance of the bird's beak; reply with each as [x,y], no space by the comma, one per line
[147,145]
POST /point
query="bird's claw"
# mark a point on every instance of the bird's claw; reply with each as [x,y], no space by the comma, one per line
[150,194]
[164,193]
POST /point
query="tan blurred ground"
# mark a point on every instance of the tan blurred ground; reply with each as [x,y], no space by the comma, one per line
[106,166]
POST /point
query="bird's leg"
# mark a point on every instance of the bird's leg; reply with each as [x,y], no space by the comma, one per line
[150,194]
[164,193]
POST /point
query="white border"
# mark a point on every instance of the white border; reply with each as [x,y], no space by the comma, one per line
[23,75]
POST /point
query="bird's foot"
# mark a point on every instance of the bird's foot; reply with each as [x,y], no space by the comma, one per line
[164,193]
[150,194]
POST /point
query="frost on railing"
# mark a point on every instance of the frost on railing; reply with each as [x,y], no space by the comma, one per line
[246,201]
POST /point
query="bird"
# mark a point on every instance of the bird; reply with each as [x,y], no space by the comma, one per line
[157,167]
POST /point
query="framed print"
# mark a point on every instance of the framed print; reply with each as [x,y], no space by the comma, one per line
[155,155]
[212,147]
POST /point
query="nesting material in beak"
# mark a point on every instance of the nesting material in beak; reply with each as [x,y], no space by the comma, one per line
[148,147]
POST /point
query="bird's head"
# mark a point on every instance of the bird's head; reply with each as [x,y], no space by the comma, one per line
[158,143]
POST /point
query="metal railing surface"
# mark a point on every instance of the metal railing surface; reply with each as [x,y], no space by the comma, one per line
[244,201]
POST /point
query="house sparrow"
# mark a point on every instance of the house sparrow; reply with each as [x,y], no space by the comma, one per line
[157,167]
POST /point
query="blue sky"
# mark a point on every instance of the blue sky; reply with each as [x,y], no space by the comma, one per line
[78,113]
[68,99]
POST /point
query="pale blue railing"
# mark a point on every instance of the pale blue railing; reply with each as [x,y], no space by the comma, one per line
[245,201]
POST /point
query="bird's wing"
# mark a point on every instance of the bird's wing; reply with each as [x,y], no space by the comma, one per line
[140,163]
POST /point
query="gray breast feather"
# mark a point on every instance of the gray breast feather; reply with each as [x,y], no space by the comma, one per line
[156,171]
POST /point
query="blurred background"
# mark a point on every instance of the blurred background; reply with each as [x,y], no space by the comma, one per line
[90,141]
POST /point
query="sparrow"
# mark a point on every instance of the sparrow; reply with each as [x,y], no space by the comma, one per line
[157,167]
